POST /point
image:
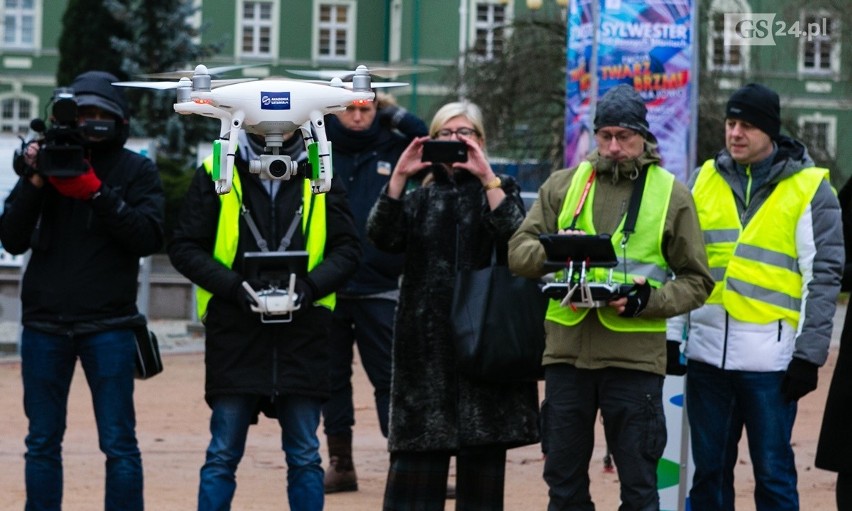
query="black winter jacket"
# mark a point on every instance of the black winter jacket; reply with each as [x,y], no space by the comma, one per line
[433,406]
[243,355]
[363,161]
[834,449]
[82,274]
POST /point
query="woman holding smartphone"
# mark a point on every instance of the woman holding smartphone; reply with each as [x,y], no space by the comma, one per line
[454,221]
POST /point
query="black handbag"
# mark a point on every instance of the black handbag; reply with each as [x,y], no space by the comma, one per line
[148,360]
[497,322]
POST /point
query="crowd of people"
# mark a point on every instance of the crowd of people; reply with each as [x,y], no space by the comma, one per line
[731,279]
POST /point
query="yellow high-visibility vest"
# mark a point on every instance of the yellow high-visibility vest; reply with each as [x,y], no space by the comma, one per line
[644,256]
[755,269]
[228,233]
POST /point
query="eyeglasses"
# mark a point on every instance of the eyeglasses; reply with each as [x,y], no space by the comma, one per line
[465,132]
[622,137]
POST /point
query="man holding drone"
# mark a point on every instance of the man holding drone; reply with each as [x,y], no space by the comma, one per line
[262,354]
[614,357]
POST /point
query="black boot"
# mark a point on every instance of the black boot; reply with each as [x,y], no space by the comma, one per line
[340,475]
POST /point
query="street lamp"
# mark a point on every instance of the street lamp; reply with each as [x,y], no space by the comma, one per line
[562,6]
[535,5]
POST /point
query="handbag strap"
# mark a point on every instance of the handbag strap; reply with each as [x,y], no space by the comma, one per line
[493,251]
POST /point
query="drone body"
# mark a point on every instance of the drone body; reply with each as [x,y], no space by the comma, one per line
[271,108]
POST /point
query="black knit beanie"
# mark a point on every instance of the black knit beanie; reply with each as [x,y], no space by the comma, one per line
[757,105]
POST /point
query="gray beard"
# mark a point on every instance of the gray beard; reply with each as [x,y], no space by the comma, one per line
[625,168]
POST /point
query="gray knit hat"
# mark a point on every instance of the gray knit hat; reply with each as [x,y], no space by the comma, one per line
[623,107]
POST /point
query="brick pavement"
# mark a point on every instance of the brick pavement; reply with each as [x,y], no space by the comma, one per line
[172,428]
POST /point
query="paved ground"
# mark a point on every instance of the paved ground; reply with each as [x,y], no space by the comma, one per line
[173,434]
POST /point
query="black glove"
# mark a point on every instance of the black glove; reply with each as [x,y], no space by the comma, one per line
[800,379]
[673,365]
[637,300]
[389,116]
[305,292]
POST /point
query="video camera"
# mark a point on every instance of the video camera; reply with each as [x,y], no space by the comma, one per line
[61,146]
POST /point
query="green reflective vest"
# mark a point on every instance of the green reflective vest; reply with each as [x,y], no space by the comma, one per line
[228,234]
[755,269]
[644,256]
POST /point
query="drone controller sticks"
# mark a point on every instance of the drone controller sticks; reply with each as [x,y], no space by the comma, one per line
[253,294]
[291,292]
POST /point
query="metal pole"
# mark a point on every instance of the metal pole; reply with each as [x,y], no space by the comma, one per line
[143,297]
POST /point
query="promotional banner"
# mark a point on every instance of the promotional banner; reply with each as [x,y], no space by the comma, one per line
[647,44]
[578,97]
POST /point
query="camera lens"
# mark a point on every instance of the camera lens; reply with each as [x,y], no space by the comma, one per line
[277,168]
[65,112]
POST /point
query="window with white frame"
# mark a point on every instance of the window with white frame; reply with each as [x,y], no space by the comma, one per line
[819,51]
[722,56]
[334,37]
[819,133]
[19,24]
[490,23]
[257,28]
[15,114]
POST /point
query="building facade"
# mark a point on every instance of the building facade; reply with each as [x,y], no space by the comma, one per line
[281,35]
[798,50]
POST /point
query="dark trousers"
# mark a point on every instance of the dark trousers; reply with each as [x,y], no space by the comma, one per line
[418,480]
[632,410]
[369,323]
[844,491]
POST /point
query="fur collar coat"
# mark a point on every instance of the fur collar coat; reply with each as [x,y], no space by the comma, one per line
[440,227]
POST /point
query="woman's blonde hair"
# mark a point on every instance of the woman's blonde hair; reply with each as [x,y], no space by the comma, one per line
[465,108]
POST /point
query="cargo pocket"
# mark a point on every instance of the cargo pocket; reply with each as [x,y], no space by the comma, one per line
[655,428]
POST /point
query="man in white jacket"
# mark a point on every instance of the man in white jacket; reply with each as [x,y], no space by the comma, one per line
[772,228]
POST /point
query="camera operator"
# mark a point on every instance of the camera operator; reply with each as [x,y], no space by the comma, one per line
[86,233]
[281,369]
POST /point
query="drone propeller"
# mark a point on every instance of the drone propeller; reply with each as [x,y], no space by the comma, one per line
[174,85]
[187,73]
[347,74]
[336,82]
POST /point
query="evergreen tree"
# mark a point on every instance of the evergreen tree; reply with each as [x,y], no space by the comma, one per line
[160,38]
[522,95]
[134,37]
[88,29]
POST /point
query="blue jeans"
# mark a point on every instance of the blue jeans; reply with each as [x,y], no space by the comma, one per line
[229,423]
[719,403]
[369,323]
[47,365]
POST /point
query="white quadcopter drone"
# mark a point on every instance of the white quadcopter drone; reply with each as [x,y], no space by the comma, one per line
[270,108]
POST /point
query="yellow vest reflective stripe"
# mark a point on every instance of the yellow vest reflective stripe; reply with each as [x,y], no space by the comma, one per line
[644,250]
[756,270]
[228,234]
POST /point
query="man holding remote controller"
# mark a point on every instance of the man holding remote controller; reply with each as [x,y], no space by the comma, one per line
[614,358]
